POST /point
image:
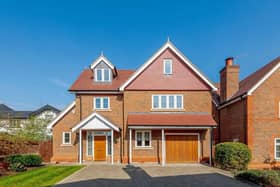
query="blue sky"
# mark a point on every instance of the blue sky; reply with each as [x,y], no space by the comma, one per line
[44,45]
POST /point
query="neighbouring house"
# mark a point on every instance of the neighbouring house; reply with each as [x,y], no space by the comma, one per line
[160,113]
[249,110]
[10,118]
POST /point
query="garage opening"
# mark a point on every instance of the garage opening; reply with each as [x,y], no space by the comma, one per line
[181,148]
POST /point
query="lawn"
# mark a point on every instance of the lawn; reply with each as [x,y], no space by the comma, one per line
[41,177]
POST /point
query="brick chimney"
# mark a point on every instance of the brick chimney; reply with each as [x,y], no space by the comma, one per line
[229,79]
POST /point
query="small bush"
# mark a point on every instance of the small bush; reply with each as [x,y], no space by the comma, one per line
[261,177]
[15,159]
[32,160]
[17,166]
[232,155]
[26,160]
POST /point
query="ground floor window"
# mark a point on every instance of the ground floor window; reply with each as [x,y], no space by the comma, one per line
[89,144]
[66,137]
[277,148]
[109,145]
[143,138]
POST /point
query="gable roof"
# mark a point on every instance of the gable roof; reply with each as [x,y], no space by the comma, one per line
[169,45]
[252,82]
[85,81]
[45,108]
[99,59]
[5,108]
[61,114]
[99,117]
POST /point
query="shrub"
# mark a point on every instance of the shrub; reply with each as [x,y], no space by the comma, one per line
[17,166]
[32,160]
[232,155]
[261,177]
[26,160]
[15,159]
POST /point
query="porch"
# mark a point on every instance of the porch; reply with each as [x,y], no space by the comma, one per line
[98,138]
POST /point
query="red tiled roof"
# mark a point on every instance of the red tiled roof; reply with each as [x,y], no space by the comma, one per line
[246,84]
[85,81]
[170,119]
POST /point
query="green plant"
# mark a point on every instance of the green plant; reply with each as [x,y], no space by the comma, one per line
[32,160]
[17,166]
[261,177]
[26,160]
[15,159]
[232,155]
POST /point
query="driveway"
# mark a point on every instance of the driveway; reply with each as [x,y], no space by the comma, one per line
[154,176]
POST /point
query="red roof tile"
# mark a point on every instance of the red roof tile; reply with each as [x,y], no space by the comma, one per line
[170,119]
[246,84]
[85,81]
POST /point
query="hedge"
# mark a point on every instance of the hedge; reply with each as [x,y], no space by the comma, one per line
[26,160]
[261,177]
[232,155]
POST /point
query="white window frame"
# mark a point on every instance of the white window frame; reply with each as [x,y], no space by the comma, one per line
[276,144]
[143,138]
[101,103]
[168,60]
[167,102]
[102,75]
[63,138]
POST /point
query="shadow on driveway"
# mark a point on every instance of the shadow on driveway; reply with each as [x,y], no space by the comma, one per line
[138,177]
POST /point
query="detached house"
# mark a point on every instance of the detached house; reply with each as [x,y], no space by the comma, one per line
[160,113]
[249,110]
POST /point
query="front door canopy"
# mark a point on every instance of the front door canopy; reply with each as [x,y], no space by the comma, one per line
[95,122]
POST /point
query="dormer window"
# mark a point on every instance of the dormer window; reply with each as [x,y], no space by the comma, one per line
[102,75]
[167,66]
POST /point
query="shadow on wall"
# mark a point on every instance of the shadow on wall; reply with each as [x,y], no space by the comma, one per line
[139,178]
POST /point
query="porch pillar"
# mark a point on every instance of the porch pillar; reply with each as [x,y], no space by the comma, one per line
[210,157]
[162,147]
[80,147]
[112,146]
[130,146]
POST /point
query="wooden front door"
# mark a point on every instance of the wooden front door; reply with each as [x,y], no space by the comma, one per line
[181,148]
[99,148]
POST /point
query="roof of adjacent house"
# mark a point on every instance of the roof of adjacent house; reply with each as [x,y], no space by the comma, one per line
[8,113]
[5,108]
[85,81]
[249,82]
[170,118]
[45,108]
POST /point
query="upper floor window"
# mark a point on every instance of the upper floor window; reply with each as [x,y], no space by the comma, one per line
[277,148]
[167,102]
[102,75]
[66,138]
[167,66]
[101,103]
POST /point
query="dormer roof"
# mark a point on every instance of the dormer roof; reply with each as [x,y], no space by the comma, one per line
[102,58]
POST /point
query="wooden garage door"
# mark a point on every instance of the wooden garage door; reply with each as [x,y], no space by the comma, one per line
[181,148]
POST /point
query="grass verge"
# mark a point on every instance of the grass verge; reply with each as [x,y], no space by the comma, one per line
[41,177]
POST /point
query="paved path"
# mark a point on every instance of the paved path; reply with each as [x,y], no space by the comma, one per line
[154,176]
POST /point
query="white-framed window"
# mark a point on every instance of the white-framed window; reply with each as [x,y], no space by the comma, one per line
[277,148]
[101,103]
[143,138]
[167,66]
[102,75]
[167,101]
[66,138]
[89,143]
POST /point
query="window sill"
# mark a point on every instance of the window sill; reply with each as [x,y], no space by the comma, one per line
[148,147]
[102,110]
[167,110]
[66,145]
